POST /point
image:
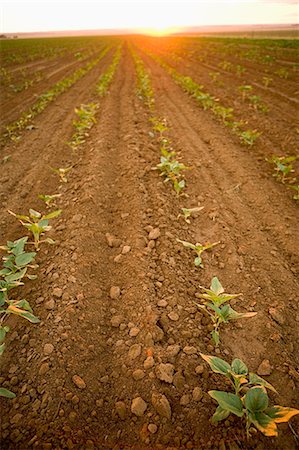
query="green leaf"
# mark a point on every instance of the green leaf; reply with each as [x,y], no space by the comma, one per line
[24,259]
[42,224]
[215,337]
[231,314]
[229,402]
[198,261]
[281,414]
[53,214]
[34,214]
[16,276]
[18,246]
[187,244]
[238,367]
[23,304]
[6,393]
[264,423]
[12,309]
[216,286]
[218,365]
[220,414]
[256,399]
[255,379]
[3,331]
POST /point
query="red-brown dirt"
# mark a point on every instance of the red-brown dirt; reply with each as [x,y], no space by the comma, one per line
[118,229]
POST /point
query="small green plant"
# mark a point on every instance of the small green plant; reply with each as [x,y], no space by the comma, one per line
[37,224]
[171,169]
[187,212]
[49,199]
[283,167]
[295,188]
[249,137]
[257,103]
[62,171]
[245,90]
[223,113]
[17,261]
[240,70]
[214,299]
[199,249]
[282,73]
[86,120]
[214,76]
[249,400]
[267,81]
[226,65]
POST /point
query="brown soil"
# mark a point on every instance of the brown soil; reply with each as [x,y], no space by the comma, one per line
[114,197]
[12,105]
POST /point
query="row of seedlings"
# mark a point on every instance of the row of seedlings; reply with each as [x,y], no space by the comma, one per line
[249,397]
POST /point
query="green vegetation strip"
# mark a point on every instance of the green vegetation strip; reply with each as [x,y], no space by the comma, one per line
[86,113]
[169,167]
[13,130]
[208,102]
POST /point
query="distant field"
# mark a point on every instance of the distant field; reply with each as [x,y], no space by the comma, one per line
[263,34]
[160,164]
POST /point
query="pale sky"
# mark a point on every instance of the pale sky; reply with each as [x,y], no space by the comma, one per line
[53,15]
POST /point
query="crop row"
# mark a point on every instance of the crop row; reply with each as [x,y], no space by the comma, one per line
[209,102]
[18,263]
[14,129]
[283,165]
[249,399]
[22,51]
[86,113]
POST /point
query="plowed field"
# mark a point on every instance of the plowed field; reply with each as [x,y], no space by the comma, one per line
[117,294]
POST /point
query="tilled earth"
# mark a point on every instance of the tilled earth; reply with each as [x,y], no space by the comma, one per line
[115,361]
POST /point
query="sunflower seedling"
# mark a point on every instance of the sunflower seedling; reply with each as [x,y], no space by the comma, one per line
[214,299]
[62,172]
[245,90]
[267,81]
[249,400]
[249,137]
[37,224]
[295,188]
[17,261]
[49,199]
[199,249]
[187,212]
[283,167]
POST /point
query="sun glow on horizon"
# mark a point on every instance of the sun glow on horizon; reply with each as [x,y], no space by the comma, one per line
[160,31]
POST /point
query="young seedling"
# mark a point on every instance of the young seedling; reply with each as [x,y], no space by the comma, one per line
[214,299]
[283,167]
[223,113]
[249,137]
[49,199]
[37,224]
[245,90]
[187,212]
[199,249]
[249,400]
[62,172]
[267,81]
[17,261]
[295,188]
[240,70]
